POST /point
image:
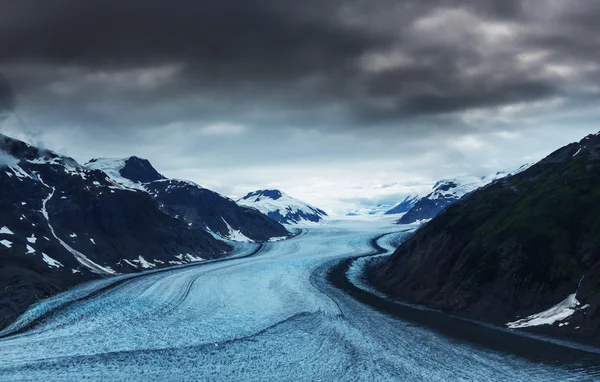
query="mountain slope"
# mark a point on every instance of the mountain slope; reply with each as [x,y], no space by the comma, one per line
[197,205]
[445,193]
[62,223]
[404,206]
[525,246]
[282,207]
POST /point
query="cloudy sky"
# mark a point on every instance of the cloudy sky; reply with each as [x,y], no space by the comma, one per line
[340,103]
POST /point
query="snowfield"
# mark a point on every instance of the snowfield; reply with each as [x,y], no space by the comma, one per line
[264,316]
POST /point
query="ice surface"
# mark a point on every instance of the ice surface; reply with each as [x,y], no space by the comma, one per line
[268,317]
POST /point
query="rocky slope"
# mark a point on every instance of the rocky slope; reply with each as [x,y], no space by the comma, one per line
[63,223]
[522,252]
[197,205]
[282,207]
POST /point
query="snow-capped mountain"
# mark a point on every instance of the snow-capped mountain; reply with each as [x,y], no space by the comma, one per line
[195,204]
[63,223]
[130,172]
[282,207]
[404,206]
[445,192]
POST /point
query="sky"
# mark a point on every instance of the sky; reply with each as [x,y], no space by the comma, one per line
[344,104]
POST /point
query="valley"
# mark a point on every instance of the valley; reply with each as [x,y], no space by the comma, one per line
[269,316]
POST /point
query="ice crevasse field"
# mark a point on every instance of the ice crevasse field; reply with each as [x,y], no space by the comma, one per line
[268,315]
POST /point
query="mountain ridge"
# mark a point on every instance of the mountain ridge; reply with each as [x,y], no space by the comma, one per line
[524,247]
[195,204]
[63,223]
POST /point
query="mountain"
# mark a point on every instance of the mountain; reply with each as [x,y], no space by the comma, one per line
[63,223]
[197,205]
[522,252]
[445,193]
[282,207]
[404,206]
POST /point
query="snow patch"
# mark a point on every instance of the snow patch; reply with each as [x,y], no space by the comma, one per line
[6,231]
[274,239]
[558,312]
[112,168]
[30,249]
[6,243]
[236,235]
[32,239]
[193,259]
[143,263]
[51,262]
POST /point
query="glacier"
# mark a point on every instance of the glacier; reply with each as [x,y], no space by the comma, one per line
[268,314]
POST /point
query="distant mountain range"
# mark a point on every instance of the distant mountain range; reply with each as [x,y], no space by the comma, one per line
[445,193]
[282,207]
[195,204]
[416,209]
[523,251]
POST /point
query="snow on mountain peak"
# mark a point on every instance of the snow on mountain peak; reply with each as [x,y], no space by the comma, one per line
[282,207]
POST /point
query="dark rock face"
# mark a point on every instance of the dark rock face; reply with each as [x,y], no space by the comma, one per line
[515,248]
[426,209]
[205,208]
[62,224]
[140,170]
[405,206]
[270,194]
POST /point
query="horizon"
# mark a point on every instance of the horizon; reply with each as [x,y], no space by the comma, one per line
[362,198]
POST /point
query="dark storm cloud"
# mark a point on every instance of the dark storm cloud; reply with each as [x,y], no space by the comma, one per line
[333,63]
[7,97]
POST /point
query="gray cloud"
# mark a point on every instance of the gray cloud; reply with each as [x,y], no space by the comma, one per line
[7,98]
[7,159]
[341,62]
[436,86]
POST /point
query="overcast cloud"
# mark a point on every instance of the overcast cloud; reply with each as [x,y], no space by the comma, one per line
[340,103]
